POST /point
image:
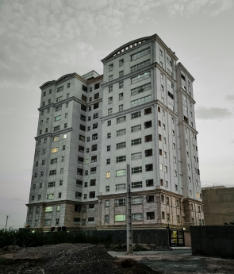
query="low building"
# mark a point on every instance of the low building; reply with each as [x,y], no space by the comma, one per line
[218,205]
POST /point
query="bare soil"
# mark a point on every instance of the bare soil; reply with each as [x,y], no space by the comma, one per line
[66,258]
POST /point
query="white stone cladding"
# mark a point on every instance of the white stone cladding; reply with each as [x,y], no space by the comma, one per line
[141,78]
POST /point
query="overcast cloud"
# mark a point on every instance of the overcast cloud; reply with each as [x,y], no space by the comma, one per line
[212,113]
[42,40]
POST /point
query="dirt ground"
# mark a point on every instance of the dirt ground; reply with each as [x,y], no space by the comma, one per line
[175,262]
[92,259]
[66,258]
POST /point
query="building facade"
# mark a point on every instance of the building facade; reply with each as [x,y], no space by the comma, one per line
[218,205]
[139,112]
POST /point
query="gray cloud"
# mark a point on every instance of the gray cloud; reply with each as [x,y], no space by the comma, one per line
[230,98]
[212,113]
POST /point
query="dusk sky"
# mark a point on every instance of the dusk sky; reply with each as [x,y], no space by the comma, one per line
[42,40]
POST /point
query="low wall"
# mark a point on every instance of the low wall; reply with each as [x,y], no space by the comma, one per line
[212,240]
[159,237]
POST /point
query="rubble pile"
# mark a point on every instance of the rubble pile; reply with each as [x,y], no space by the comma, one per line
[66,258]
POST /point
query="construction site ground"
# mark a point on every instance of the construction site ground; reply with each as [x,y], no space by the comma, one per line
[94,259]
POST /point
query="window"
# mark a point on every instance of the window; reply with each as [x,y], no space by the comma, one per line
[50,196]
[94,147]
[76,221]
[60,89]
[95,136]
[47,222]
[107,175]
[80,160]
[149,183]
[61,182]
[121,119]
[136,128]
[81,138]
[59,99]
[80,171]
[141,77]
[51,184]
[120,132]
[150,215]
[120,159]
[93,170]
[56,128]
[119,218]
[107,188]
[94,159]
[135,115]
[121,62]
[64,147]
[175,173]
[108,135]
[95,106]
[79,183]
[120,107]
[84,88]
[119,202]
[95,115]
[82,117]
[109,111]
[92,194]
[140,54]
[136,156]
[78,195]
[121,145]
[106,219]
[148,138]
[110,89]
[81,149]
[121,96]
[120,187]
[137,217]
[136,170]
[121,73]
[83,107]
[149,167]
[121,172]
[136,141]
[137,200]
[147,111]
[109,123]
[148,124]
[136,184]
[82,127]
[168,217]
[52,172]
[165,169]
[96,86]
[65,125]
[108,161]
[164,154]
[110,77]
[110,100]
[140,65]
[150,198]
[60,195]
[111,66]
[141,101]
[164,126]
[108,148]
[148,152]
[121,84]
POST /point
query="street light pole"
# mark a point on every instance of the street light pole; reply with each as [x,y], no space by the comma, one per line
[6,222]
[129,213]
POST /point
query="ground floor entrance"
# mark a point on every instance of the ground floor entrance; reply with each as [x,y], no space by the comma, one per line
[176,237]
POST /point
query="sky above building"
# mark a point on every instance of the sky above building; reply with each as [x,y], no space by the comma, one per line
[42,40]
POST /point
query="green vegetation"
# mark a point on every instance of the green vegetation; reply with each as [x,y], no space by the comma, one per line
[26,238]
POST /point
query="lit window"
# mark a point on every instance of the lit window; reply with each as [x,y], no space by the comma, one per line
[54,150]
[119,218]
[107,175]
[120,172]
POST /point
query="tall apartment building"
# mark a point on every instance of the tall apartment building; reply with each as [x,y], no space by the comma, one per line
[139,112]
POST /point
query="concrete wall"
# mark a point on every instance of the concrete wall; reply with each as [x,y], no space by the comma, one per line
[218,205]
[212,240]
[159,237]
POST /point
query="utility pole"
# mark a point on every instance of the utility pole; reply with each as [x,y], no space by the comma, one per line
[129,213]
[6,223]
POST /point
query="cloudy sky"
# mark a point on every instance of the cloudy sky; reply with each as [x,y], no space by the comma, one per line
[42,40]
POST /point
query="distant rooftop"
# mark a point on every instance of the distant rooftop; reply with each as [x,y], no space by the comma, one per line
[212,187]
[90,75]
